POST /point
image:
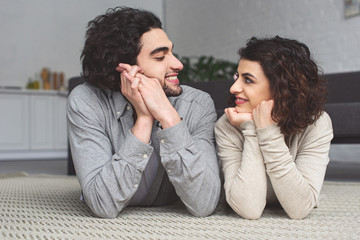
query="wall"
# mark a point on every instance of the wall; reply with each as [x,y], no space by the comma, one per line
[43,33]
[220,28]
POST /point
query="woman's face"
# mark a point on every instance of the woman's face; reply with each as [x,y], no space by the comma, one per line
[251,86]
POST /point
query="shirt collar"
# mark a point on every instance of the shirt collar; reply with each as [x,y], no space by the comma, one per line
[121,104]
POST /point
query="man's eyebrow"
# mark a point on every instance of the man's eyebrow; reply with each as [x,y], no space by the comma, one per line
[160,49]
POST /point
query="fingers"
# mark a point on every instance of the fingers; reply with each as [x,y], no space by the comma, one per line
[262,114]
[237,118]
[135,83]
[131,69]
[265,107]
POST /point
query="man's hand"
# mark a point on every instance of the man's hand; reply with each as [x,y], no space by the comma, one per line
[237,118]
[130,89]
[262,114]
[157,101]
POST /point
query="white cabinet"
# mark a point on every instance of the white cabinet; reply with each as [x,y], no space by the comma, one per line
[32,125]
[60,124]
[14,122]
[41,122]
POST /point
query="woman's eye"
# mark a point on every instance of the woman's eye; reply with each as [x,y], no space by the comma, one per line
[248,80]
[236,76]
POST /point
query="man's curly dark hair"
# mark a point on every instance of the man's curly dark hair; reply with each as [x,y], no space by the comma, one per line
[111,39]
[297,84]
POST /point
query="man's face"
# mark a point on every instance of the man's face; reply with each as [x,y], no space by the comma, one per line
[157,60]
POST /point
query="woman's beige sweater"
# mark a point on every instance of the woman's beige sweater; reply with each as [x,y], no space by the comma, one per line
[260,166]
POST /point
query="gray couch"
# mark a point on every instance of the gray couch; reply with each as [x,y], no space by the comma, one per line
[343,106]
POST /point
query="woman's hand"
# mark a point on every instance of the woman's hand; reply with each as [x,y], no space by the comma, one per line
[262,114]
[237,118]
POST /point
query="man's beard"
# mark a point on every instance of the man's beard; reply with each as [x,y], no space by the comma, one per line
[172,92]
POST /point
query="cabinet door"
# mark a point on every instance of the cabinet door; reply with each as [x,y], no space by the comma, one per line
[14,122]
[41,127]
[60,127]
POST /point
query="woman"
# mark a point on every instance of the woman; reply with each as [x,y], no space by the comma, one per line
[274,142]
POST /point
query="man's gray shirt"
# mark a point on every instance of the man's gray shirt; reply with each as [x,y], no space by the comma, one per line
[109,159]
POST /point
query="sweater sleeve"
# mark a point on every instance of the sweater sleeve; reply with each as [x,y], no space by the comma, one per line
[108,177]
[297,180]
[243,167]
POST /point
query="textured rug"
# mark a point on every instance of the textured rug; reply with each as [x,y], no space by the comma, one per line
[48,207]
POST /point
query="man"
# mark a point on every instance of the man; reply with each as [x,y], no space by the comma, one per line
[137,137]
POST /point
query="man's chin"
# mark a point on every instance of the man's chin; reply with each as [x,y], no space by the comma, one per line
[173,91]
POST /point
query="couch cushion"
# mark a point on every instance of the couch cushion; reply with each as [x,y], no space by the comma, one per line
[345,119]
[343,87]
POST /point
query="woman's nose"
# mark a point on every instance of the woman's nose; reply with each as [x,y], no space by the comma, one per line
[236,87]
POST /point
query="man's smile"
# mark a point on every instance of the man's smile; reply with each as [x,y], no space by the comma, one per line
[172,78]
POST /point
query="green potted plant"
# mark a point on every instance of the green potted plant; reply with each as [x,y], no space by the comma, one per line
[211,75]
[205,69]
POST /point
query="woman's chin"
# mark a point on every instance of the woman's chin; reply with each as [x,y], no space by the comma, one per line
[241,109]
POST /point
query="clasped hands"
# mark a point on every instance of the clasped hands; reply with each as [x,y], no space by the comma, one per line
[146,95]
[261,115]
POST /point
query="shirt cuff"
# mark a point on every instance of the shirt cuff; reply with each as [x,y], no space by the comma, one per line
[135,152]
[174,138]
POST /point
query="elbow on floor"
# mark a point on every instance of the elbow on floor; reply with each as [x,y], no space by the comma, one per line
[251,216]
[298,214]
[102,213]
[248,211]
[202,212]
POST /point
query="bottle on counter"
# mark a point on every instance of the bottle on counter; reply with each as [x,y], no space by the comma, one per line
[30,84]
[36,82]
[61,82]
[45,76]
[55,81]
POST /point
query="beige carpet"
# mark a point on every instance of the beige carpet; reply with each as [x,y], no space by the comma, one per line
[48,207]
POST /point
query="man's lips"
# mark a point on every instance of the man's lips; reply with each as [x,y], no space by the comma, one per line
[172,78]
[240,100]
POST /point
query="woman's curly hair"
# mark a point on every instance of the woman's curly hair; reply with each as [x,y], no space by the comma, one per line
[111,39]
[297,84]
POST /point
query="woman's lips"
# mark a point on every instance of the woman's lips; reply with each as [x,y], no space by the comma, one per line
[240,101]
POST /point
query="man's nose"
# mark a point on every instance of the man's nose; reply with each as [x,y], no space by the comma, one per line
[176,64]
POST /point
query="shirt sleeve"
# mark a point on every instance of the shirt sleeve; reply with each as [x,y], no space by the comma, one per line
[243,167]
[297,180]
[189,158]
[108,179]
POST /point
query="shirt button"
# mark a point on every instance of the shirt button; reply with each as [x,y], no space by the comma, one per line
[169,171]
[136,185]
[128,107]
[145,156]
[162,141]
[118,113]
